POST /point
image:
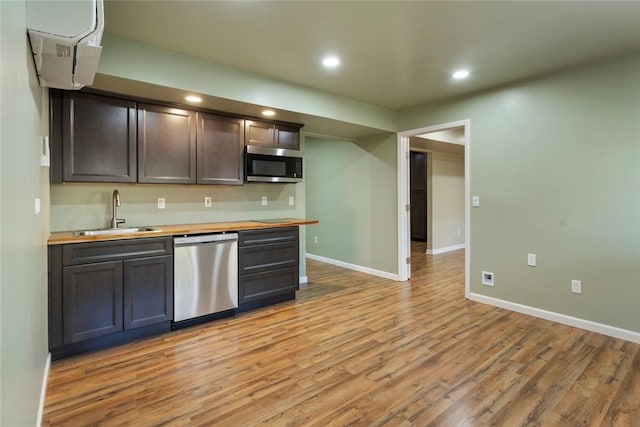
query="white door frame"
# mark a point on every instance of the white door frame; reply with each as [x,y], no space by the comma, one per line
[404,225]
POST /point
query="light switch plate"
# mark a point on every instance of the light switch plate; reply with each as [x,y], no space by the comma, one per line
[37,206]
[207,202]
[264,200]
[160,202]
[531,260]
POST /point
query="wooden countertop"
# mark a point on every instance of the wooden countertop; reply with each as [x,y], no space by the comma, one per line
[64,237]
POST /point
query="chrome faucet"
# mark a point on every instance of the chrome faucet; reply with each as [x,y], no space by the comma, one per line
[115,203]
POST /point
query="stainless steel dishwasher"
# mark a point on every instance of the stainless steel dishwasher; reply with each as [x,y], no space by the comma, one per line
[205,275]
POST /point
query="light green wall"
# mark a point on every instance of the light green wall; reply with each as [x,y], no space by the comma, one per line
[85,206]
[447,200]
[23,270]
[555,162]
[351,187]
[134,61]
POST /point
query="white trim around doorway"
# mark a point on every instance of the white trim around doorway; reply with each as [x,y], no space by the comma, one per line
[404,243]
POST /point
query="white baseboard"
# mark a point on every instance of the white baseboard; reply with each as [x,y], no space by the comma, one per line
[43,391]
[588,325]
[446,249]
[372,271]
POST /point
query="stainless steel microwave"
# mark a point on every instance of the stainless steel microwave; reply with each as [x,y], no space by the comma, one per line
[266,164]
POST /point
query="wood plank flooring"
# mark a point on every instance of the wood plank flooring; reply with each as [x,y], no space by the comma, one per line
[358,350]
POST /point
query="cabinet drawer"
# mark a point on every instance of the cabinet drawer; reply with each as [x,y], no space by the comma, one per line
[267,284]
[255,259]
[267,236]
[91,252]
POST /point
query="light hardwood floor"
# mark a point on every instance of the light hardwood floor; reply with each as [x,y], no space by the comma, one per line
[359,350]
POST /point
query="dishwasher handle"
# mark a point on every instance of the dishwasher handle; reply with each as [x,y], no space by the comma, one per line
[204,238]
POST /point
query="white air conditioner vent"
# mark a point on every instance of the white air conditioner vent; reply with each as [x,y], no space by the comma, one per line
[65,41]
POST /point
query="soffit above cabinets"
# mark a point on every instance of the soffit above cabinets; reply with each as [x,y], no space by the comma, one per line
[312,124]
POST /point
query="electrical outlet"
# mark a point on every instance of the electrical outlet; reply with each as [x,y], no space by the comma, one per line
[531,260]
[488,278]
[315,240]
[459,231]
[160,202]
[475,201]
[207,202]
[264,200]
[37,206]
[576,286]
[291,201]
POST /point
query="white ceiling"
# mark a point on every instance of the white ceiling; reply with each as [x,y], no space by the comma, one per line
[395,54]
[453,135]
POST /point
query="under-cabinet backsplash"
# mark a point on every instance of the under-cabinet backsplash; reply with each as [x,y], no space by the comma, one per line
[81,206]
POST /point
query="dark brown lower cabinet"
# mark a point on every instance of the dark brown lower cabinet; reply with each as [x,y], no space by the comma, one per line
[268,284]
[92,300]
[268,266]
[148,291]
[105,293]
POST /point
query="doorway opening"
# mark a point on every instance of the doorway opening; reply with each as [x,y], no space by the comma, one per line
[442,223]
[418,195]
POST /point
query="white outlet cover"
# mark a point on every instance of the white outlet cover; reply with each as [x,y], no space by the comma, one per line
[207,202]
[264,200]
[291,201]
[531,260]
[161,203]
[488,278]
[576,286]
[37,206]
[475,201]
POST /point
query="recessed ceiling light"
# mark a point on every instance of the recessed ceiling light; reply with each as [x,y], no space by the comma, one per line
[193,98]
[331,62]
[268,113]
[460,74]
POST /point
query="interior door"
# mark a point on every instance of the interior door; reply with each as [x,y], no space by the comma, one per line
[418,195]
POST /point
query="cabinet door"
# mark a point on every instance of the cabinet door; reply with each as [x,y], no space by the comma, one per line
[287,137]
[259,133]
[148,291]
[166,145]
[98,138]
[220,142]
[91,301]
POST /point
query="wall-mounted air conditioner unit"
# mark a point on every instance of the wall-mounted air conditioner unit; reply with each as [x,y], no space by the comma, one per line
[65,40]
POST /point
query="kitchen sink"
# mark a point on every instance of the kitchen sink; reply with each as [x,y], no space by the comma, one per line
[109,231]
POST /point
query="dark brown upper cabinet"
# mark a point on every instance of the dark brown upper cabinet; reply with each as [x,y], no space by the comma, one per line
[166,145]
[101,137]
[259,133]
[287,137]
[276,135]
[220,150]
[93,138]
